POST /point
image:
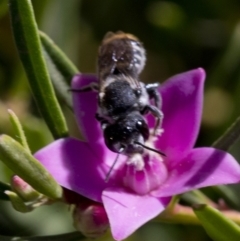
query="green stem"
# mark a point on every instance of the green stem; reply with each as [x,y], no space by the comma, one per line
[185,215]
[197,197]
[178,214]
[216,224]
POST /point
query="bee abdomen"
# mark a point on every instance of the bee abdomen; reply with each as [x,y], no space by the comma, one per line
[121,53]
[139,56]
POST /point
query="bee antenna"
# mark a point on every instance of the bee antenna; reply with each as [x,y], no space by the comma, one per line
[114,163]
[149,148]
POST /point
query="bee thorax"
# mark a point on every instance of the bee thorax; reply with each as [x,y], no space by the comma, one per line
[118,98]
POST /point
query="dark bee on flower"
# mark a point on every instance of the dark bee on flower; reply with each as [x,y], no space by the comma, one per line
[123,99]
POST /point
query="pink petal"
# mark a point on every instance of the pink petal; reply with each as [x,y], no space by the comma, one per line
[128,211]
[74,166]
[182,97]
[202,167]
[85,107]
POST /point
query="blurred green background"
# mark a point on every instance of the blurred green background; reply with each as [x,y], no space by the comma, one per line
[178,35]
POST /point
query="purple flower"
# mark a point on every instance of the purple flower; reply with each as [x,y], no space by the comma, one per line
[137,193]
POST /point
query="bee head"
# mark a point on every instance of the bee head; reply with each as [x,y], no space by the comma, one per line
[124,134]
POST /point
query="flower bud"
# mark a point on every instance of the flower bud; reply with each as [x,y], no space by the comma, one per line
[90,218]
[23,189]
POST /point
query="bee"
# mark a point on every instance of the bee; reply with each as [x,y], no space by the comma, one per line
[123,99]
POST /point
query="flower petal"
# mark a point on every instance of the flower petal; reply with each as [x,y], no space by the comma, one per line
[202,167]
[85,108]
[74,166]
[182,97]
[128,211]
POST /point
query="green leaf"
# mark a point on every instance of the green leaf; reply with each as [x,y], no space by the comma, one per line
[18,130]
[29,48]
[229,137]
[58,57]
[17,203]
[60,67]
[22,163]
[59,82]
[218,227]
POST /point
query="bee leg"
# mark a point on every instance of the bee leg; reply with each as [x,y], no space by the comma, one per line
[154,94]
[91,87]
[159,117]
[99,118]
[155,110]
[102,120]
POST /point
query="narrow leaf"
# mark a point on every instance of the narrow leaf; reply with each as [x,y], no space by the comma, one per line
[228,138]
[218,227]
[58,57]
[224,142]
[29,48]
[59,82]
[18,130]
[17,203]
[28,168]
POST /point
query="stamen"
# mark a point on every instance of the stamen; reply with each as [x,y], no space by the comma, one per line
[142,181]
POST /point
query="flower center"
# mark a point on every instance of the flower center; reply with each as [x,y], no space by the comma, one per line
[145,173]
